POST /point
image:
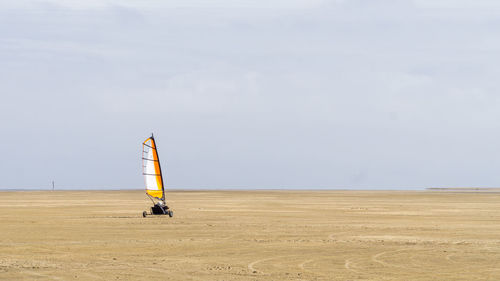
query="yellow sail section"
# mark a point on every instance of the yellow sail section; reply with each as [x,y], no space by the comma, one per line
[151,169]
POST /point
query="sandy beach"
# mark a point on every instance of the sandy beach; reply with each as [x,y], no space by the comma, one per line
[250,235]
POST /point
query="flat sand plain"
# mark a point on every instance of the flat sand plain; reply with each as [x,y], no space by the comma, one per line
[250,235]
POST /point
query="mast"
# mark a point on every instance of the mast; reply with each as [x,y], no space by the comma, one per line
[159,166]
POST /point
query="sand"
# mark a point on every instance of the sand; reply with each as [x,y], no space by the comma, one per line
[250,235]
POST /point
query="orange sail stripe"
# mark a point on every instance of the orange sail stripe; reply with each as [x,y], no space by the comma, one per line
[157,166]
[155,193]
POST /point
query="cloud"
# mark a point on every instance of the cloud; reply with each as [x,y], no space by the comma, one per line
[363,94]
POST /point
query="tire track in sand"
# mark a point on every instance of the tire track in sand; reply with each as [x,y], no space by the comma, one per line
[335,236]
[302,264]
[376,258]
[251,265]
[254,270]
[348,265]
[302,267]
[49,276]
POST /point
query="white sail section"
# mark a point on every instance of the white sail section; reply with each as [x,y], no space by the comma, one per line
[151,169]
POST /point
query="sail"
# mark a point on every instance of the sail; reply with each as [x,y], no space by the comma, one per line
[151,169]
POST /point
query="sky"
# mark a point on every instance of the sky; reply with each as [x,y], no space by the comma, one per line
[309,94]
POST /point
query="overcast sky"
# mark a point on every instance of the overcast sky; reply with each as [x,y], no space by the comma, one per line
[251,94]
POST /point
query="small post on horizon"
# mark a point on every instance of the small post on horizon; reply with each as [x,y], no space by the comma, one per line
[53,186]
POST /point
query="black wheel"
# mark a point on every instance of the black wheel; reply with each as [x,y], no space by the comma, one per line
[144,214]
[170,213]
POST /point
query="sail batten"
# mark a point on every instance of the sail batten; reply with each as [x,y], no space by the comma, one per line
[151,169]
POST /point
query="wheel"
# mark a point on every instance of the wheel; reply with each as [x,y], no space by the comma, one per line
[170,213]
[144,214]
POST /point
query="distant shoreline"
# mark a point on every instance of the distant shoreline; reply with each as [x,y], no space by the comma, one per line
[465,189]
[443,189]
[216,189]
